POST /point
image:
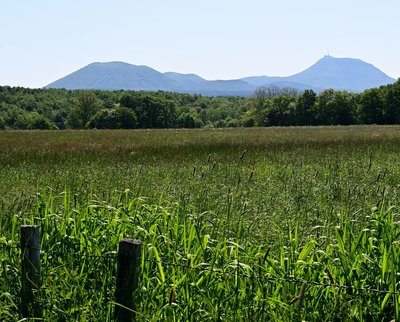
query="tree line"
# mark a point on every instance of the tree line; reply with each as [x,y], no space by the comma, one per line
[24,108]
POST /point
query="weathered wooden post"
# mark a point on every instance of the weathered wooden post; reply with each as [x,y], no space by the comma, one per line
[30,251]
[301,295]
[127,278]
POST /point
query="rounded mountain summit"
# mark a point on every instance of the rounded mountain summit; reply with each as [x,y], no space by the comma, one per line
[328,72]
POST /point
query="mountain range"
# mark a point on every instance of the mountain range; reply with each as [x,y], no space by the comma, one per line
[328,72]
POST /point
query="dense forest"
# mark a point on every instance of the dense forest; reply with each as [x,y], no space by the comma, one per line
[23,108]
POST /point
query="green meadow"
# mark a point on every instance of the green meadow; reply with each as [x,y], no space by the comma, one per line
[255,224]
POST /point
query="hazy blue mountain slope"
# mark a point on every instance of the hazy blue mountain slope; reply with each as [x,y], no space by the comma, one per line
[115,75]
[187,81]
[342,73]
[328,72]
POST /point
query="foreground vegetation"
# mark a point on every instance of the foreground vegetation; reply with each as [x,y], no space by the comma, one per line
[246,214]
[22,108]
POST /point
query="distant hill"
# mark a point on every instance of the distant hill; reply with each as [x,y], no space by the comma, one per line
[115,75]
[342,73]
[328,72]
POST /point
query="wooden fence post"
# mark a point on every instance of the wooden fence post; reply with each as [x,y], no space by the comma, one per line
[127,279]
[30,252]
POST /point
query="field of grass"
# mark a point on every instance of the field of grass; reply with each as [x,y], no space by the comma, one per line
[233,221]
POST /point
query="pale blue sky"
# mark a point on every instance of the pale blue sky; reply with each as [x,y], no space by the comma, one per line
[43,40]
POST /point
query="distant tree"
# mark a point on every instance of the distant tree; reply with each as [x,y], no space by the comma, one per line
[87,105]
[28,103]
[104,119]
[60,118]
[2,122]
[391,101]
[35,121]
[186,120]
[273,91]
[259,100]
[151,111]
[267,113]
[248,122]
[113,118]
[13,117]
[127,118]
[280,111]
[346,107]
[232,123]
[305,113]
[371,107]
[24,108]
[335,107]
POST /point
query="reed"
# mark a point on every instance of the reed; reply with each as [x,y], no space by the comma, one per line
[235,239]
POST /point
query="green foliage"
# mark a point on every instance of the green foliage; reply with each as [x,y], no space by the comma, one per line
[188,121]
[87,105]
[35,121]
[335,107]
[151,112]
[267,107]
[114,118]
[306,108]
[210,259]
[391,102]
[280,111]
[243,212]
[371,107]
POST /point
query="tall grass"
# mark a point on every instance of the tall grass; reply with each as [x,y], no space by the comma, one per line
[242,213]
[213,277]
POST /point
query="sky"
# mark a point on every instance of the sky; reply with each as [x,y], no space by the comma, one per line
[44,40]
